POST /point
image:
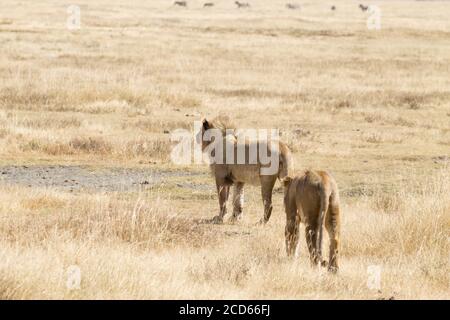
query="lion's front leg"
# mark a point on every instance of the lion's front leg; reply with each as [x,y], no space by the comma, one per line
[223,193]
[238,201]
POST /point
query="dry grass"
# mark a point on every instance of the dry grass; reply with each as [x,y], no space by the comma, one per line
[144,247]
[371,106]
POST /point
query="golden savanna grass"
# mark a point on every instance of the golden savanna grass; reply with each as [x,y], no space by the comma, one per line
[372,107]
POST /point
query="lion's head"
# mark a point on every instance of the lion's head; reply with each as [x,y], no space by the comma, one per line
[222,123]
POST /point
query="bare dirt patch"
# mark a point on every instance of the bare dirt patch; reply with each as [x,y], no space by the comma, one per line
[78,178]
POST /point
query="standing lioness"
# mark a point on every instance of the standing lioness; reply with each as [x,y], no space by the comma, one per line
[313,198]
[236,162]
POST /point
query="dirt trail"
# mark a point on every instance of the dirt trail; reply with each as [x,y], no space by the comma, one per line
[76,178]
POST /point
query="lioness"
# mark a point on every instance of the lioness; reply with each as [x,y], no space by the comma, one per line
[313,198]
[237,172]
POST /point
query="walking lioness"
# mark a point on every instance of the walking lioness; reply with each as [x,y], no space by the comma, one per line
[242,161]
[313,198]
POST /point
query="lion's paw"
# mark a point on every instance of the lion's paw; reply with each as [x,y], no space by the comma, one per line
[261,222]
[217,220]
[234,219]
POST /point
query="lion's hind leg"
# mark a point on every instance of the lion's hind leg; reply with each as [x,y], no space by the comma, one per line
[292,230]
[332,225]
[310,235]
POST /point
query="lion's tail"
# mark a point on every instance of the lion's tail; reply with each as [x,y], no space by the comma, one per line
[285,166]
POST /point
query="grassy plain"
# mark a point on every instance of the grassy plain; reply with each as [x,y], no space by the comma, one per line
[371,106]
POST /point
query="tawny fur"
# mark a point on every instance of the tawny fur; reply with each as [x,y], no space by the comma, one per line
[313,199]
[236,175]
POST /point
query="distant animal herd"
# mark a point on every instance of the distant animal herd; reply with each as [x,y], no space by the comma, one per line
[239,5]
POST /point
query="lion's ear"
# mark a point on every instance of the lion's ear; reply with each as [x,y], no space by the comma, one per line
[206,124]
[287,181]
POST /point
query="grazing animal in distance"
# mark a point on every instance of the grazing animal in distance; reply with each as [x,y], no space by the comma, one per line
[292,6]
[313,198]
[333,8]
[236,172]
[180,3]
[363,7]
[208,4]
[242,4]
